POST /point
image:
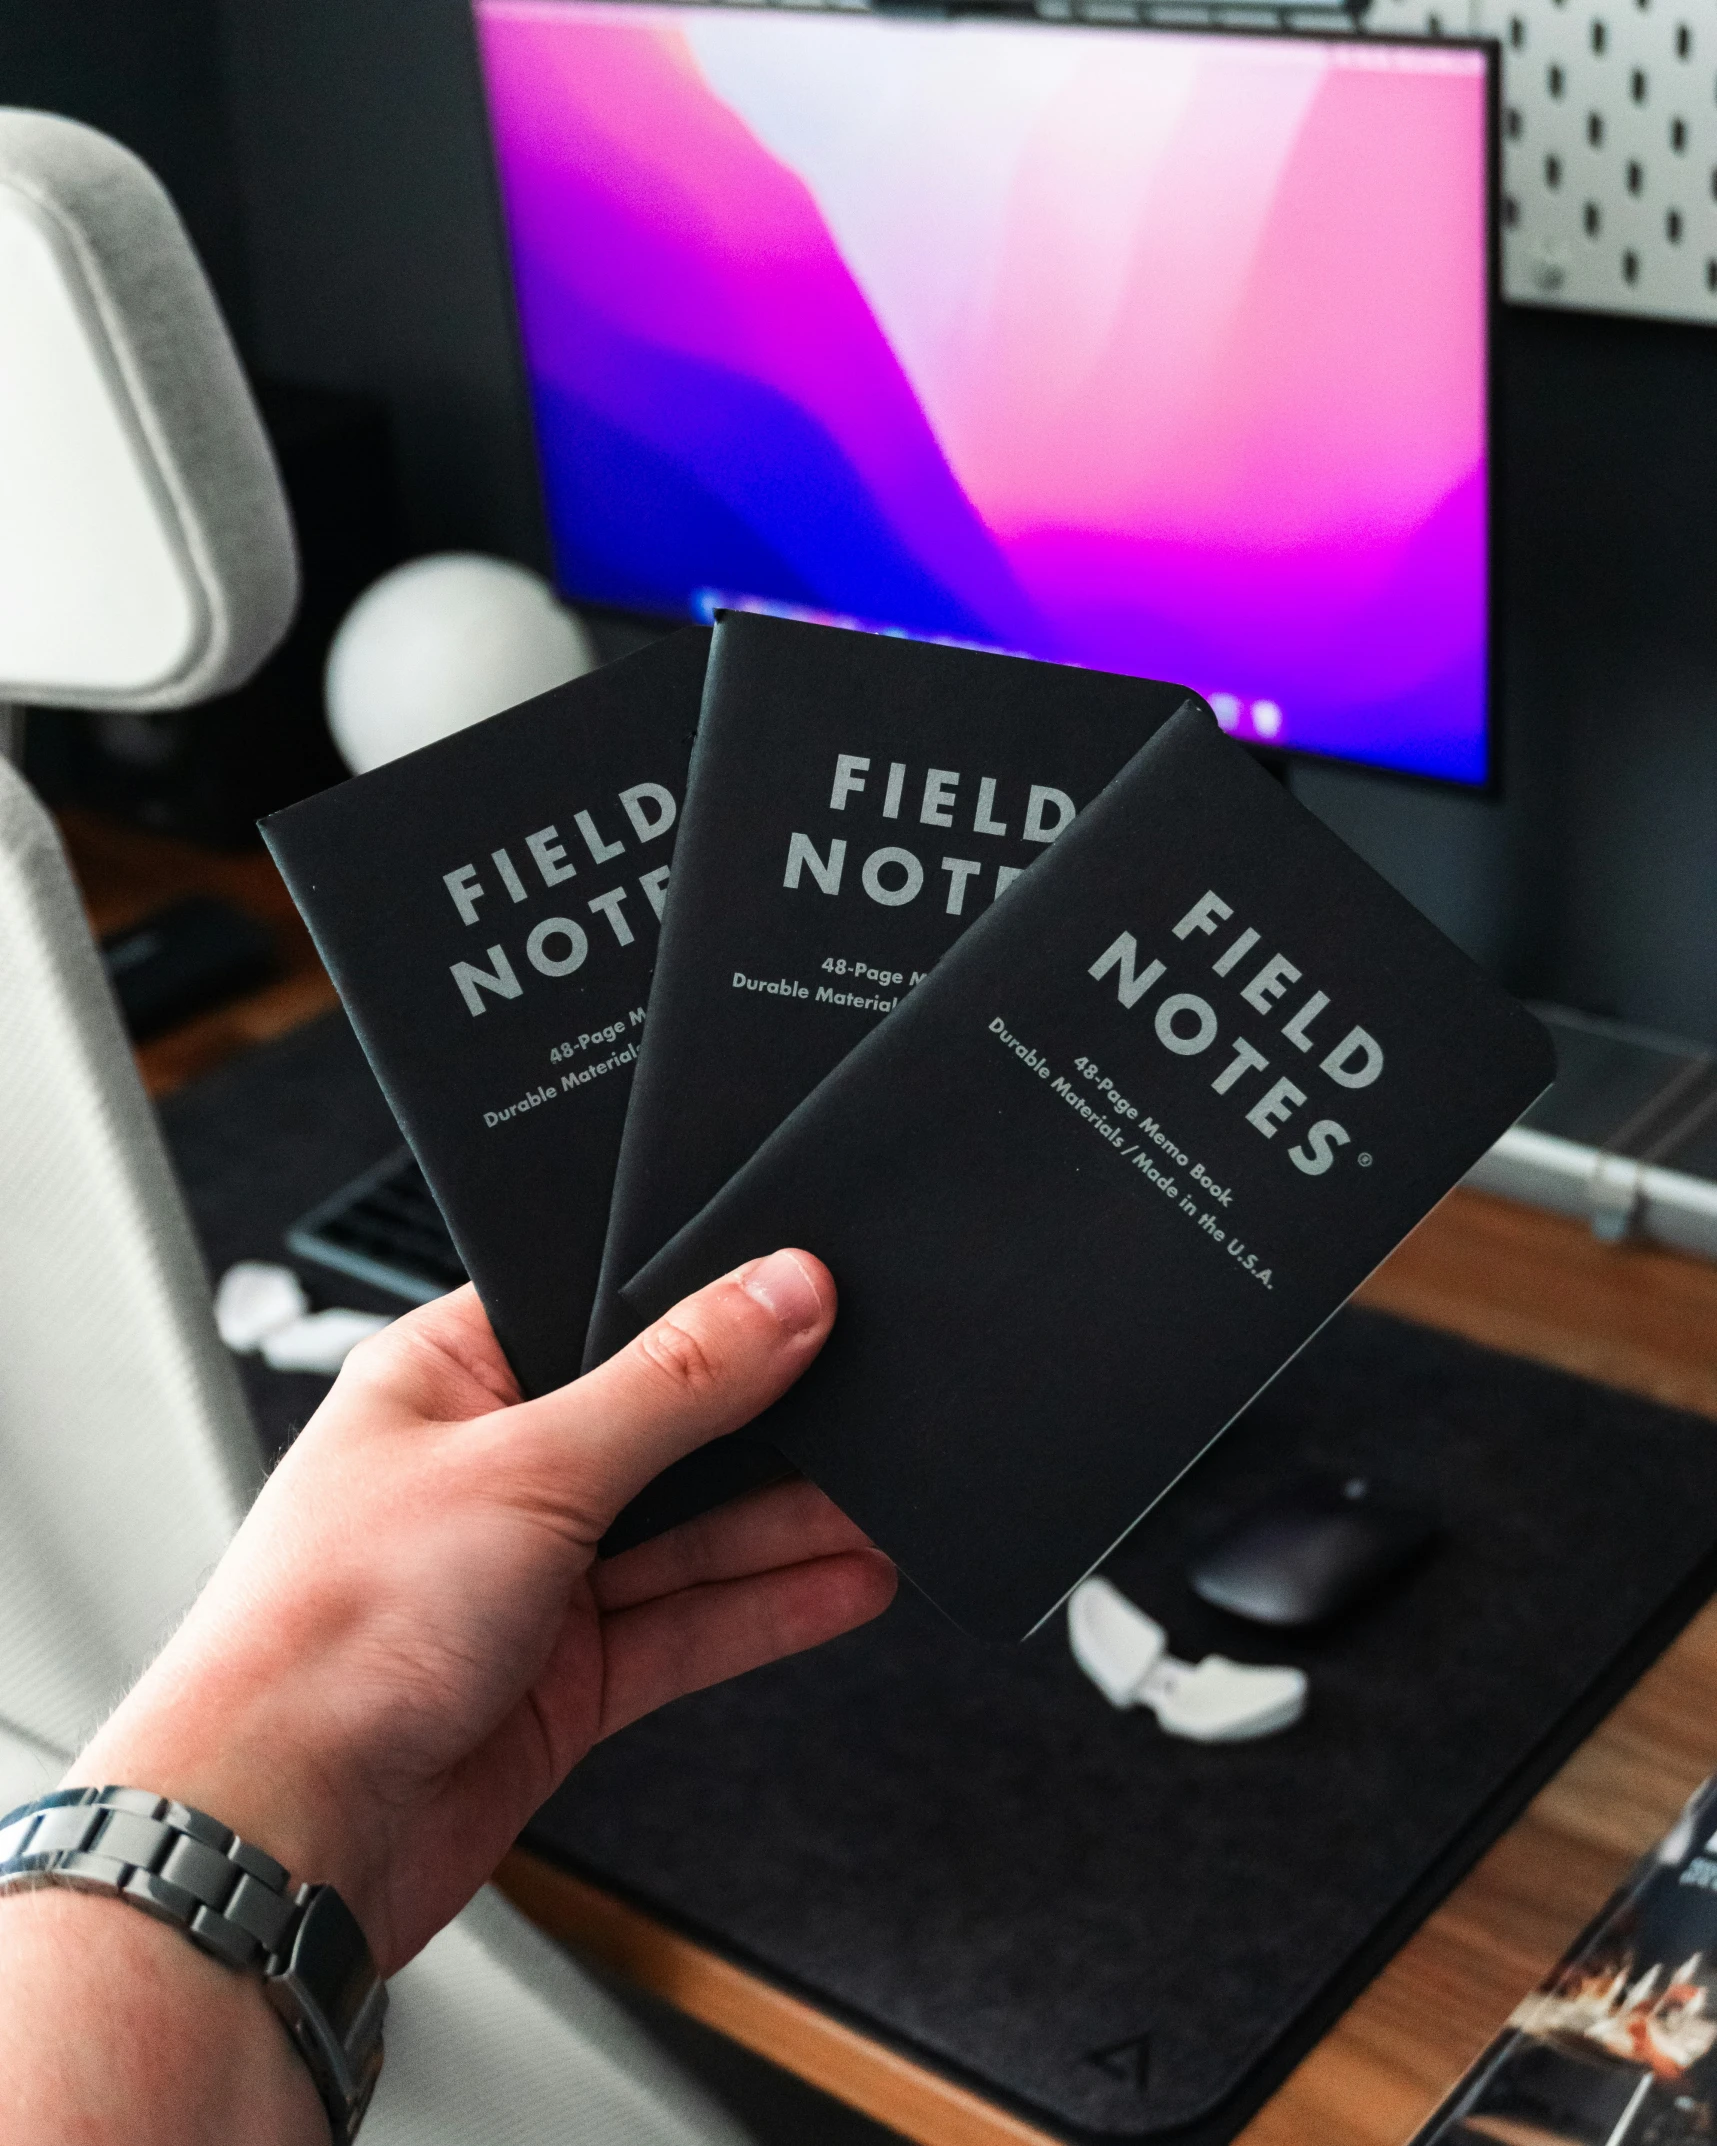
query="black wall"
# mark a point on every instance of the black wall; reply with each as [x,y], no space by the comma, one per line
[375,257]
[329,155]
[1595,880]
[147,72]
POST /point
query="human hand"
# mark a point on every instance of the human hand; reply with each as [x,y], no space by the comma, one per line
[410,1640]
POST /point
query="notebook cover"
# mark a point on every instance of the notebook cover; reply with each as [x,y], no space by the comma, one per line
[854,801]
[1108,1168]
[488,909]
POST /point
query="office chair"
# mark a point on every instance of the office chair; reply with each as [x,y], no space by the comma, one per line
[126,1454]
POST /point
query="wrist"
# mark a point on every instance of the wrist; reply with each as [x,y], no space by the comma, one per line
[223,1753]
[115,2029]
[229,1898]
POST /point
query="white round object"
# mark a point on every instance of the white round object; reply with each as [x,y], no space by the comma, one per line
[440,644]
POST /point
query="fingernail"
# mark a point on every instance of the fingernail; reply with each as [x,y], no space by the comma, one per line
[782,1284]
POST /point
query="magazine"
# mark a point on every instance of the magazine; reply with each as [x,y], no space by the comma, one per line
[1618,2044]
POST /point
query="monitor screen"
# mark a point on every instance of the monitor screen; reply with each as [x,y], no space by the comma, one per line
[1156,351]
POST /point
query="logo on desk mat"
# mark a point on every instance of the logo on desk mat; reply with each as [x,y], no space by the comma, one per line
[1128,2061]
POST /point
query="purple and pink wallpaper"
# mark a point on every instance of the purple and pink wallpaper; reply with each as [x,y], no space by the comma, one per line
[1159,353]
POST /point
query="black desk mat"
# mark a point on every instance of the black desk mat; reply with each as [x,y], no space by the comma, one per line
[965,1851]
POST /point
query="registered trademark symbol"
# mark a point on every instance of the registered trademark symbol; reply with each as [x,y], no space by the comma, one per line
[1364,1161]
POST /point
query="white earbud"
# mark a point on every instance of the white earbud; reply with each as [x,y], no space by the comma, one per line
[262,1308]
[1125,1654]
[1113,1641]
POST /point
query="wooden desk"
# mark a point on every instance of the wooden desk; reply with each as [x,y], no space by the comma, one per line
[1499,1274]
[126,873]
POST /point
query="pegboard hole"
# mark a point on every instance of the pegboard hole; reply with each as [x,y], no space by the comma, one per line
[1594,222]
[1630,266]
[1636,178]
[1636,85]
[1672,227]
[1513,122]
[1595,129]
[1711,275]
[1516,32]
[1683,42]
[1678,135]
[1510,210]
[1600,37]
[1554,78]
[1553,171]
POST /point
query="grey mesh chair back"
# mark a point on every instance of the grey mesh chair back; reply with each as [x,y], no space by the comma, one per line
[126,1452]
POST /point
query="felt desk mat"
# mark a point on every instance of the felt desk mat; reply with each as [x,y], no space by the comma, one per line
[968,1849]
[965,1851]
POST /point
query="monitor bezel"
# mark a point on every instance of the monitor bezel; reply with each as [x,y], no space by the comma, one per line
[627,624]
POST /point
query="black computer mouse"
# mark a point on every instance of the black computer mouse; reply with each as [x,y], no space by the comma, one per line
[1318,1548]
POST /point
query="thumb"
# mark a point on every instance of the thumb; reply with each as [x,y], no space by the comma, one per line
[712,1363]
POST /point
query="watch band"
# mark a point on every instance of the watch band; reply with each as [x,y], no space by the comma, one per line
[231,1900]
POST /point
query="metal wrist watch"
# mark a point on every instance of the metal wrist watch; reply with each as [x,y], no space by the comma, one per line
[230,1900]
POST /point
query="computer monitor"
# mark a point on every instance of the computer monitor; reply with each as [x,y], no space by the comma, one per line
[1164,352]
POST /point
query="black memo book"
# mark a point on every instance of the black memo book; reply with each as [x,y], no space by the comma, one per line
[488,909]
[1102,1174]
[855,802]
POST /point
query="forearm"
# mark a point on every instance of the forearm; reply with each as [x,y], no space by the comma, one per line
[116,2031]
[407,1645]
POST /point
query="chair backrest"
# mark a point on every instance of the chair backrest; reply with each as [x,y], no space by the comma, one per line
[146,556]
[126,1452]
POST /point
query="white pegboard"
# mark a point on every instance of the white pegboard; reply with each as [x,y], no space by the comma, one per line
[1609,148]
